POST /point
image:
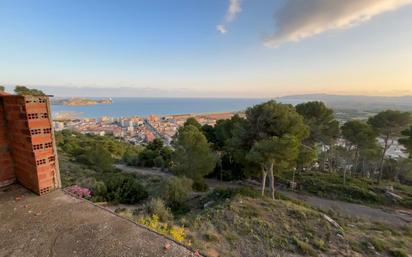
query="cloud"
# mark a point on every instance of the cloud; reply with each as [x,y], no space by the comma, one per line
[231,13]
[233,10]
[221,28]
[299,19]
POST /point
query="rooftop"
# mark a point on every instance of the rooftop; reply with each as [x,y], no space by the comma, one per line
[57,224]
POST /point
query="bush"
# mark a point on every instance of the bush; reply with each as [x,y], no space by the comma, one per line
[219,194]
[200,186]
[99,191]
[156,206]
[125,189]
[398,253]
[175,190]
[175,232]
[159,162]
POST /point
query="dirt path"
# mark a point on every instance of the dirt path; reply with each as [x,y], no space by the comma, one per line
[388,216]
[143,171]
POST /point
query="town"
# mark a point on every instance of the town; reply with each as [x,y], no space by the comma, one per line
[137,130]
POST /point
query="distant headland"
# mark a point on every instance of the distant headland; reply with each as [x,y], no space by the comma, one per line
[80,101]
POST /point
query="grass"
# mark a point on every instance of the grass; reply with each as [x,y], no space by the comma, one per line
[239,222]
[356,190]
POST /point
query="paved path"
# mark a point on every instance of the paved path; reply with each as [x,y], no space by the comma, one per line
[60,225]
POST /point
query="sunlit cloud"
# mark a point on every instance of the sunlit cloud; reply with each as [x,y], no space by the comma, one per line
[299,19]
[231,13]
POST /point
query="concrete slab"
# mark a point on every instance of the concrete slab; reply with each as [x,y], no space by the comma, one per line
[60,225]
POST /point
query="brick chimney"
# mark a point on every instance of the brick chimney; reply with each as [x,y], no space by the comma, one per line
[27,146]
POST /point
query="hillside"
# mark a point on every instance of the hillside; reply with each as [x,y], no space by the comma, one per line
[355,102]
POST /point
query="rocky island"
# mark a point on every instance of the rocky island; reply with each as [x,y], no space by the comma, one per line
[81,101]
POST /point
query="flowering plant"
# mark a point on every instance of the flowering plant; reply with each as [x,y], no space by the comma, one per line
[80,192]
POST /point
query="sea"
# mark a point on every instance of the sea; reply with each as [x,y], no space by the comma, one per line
[143,107]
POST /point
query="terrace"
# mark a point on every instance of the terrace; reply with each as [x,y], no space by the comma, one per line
[58,224]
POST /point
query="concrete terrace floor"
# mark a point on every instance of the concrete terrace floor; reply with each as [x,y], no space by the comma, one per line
[59,225]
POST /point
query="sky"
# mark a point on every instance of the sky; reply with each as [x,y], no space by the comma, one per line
[209,48]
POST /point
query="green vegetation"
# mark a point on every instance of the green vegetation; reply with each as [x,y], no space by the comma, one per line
[192,157]
[406,140]
[389,124]
[356,190]
[273,153]
[2,88]
[288,144]
[22,90]
[87,160]
[176,190]
[157,206]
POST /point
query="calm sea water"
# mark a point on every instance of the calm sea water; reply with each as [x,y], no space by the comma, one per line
[124,107]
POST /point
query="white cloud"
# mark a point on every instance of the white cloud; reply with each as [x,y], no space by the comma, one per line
[233,10]
[221,28]
[231,13]
[299,19]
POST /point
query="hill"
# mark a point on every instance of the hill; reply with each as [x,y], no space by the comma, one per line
[355,102]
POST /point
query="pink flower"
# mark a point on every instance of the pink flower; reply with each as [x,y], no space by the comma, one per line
[79,192]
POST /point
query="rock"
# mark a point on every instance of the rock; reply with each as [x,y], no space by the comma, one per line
[389,188]
[167,246]
[393,195]
[212,253]
[293,185]
[331,221]
[208,204]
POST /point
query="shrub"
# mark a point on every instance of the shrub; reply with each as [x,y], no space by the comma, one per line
[304,247]
[79,192]
[159,162]
[175,190]
[398,253]
[156,206]
[200,186]
[177,233]
[99,191]
[153,222]
[219,194]
[125,189]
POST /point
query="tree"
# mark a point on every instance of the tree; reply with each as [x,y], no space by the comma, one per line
[273,152]
[406,141]
[360,137]
[389,124]
[156,145]
[2,88]
[100,158]
[192,121]
[307,155]
[22,90]
[274,119]
[155,154]
[193,157]
[272,131]
[324,128]
[210,133]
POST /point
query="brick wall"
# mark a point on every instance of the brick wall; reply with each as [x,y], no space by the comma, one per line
[31,142]
[7,175]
